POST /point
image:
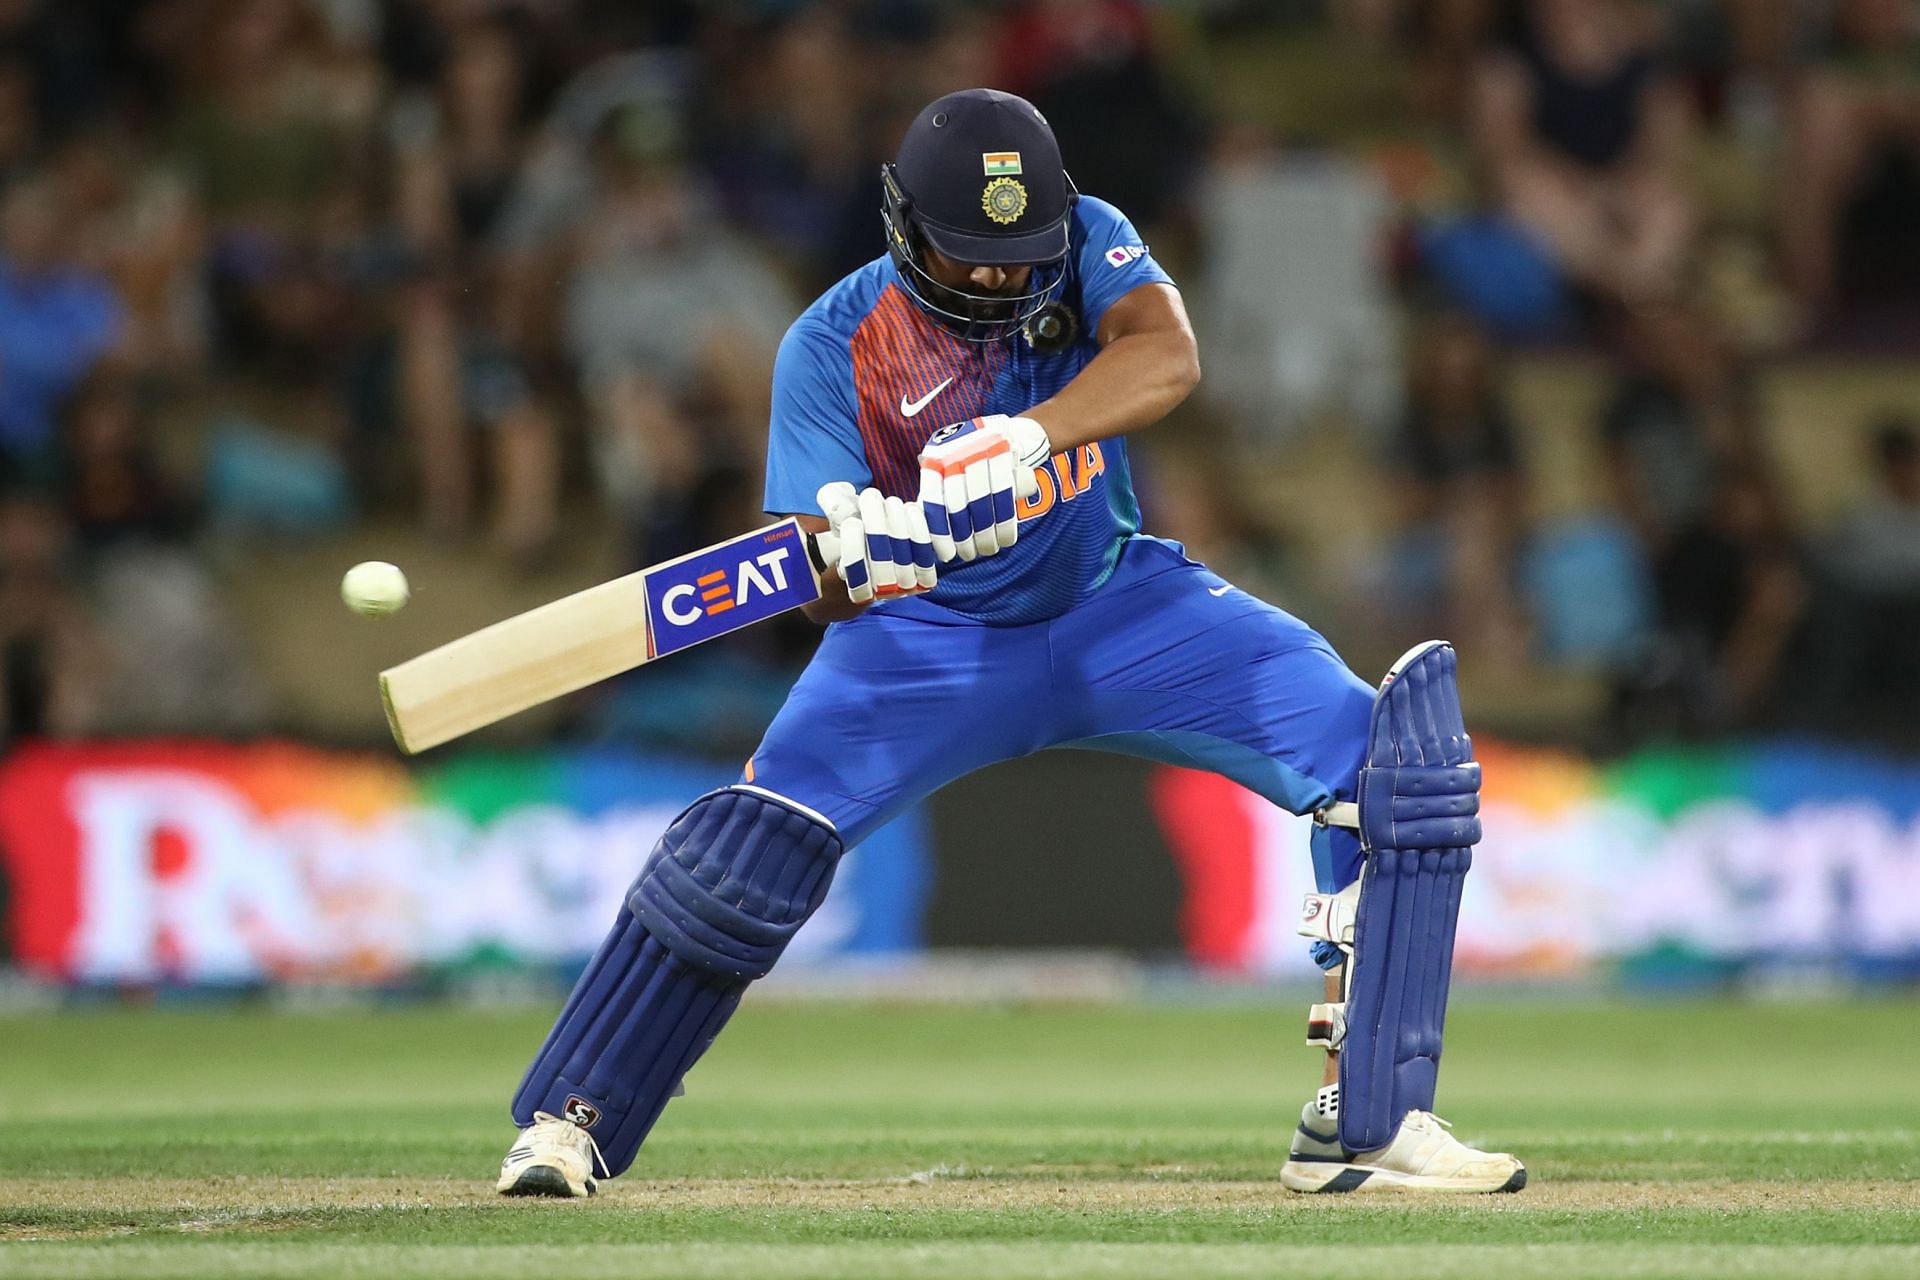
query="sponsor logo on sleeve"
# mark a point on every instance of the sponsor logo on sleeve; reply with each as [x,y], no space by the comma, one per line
[1121,254]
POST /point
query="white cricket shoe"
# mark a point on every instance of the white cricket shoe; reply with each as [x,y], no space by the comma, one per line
[553,1157]
[1423,1156]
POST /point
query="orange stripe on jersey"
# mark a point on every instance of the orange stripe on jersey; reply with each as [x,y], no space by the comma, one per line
[900,356]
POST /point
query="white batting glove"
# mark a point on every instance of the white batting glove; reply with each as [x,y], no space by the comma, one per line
[879,545]
[971,473]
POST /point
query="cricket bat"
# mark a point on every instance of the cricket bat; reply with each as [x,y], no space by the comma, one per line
[469,683]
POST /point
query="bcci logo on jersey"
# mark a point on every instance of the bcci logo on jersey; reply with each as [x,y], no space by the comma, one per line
[726,587]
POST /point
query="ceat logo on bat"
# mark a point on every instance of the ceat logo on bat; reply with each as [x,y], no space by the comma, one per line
[726,587]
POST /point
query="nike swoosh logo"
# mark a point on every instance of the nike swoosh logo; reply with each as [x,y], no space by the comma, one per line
[910,407]
[1220,591]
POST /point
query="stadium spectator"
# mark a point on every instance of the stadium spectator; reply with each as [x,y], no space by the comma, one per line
[794,115]
[57,320]
[457,151]
[1679,409]
[166,653]
[114,489]
[1448,39]
[1878,546]
[669,317]
[780,127]
[1584,139]
[19,118]
[271,134]
[1459,486]
[73,49]
[51,660]
[1732,592]
[1096,70]
[137,223]
[1859,678]
[1853,140]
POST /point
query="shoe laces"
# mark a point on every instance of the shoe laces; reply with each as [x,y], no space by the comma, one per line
[1435,1133]
[599,1161]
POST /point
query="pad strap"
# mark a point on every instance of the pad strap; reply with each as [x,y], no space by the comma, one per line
[1327,1025]
[1328,917]
[1338,813]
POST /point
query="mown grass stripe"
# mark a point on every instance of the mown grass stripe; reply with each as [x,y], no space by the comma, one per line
[1026,1261]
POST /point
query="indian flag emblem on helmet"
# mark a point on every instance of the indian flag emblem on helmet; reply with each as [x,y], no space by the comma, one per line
[1004,200]
[1000,164]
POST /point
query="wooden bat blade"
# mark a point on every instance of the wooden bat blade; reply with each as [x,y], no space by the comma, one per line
[586,637]
[518,663]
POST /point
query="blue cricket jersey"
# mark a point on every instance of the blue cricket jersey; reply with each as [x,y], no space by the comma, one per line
[864,353]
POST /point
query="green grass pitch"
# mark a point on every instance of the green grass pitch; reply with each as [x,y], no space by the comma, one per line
[1685,1139]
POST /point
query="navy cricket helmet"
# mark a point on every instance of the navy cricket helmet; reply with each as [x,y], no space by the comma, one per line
[978,179]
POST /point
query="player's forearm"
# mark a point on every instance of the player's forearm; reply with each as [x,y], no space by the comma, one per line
[1136,381]
[833,605]
[1148,363]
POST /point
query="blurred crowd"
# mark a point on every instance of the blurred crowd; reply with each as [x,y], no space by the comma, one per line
[512,271]
[1586,130]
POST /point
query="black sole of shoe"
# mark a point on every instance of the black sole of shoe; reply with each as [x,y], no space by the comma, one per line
[542,1181]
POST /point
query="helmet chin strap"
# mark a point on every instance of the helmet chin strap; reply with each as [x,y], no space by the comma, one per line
[980,317]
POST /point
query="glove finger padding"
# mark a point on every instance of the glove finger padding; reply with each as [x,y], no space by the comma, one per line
[839,502]
[899,534]
[854,570]
[1031,449]
[873,515]
[925,575]
[880,546]
[844,545]
[1000,471]
[986,538]
[933,509]
[955,487]
[1026,480]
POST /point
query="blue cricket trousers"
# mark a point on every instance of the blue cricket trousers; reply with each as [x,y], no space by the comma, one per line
[1165,660]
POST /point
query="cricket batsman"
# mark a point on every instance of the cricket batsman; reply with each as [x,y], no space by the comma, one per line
[950,421]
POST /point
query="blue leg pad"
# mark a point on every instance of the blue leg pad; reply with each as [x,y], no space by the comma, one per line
[1419,804]
[727,887]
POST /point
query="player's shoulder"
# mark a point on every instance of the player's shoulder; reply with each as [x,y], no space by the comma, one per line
[1094,217]
[837,313]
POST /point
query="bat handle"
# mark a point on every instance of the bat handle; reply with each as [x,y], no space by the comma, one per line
[823,549]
